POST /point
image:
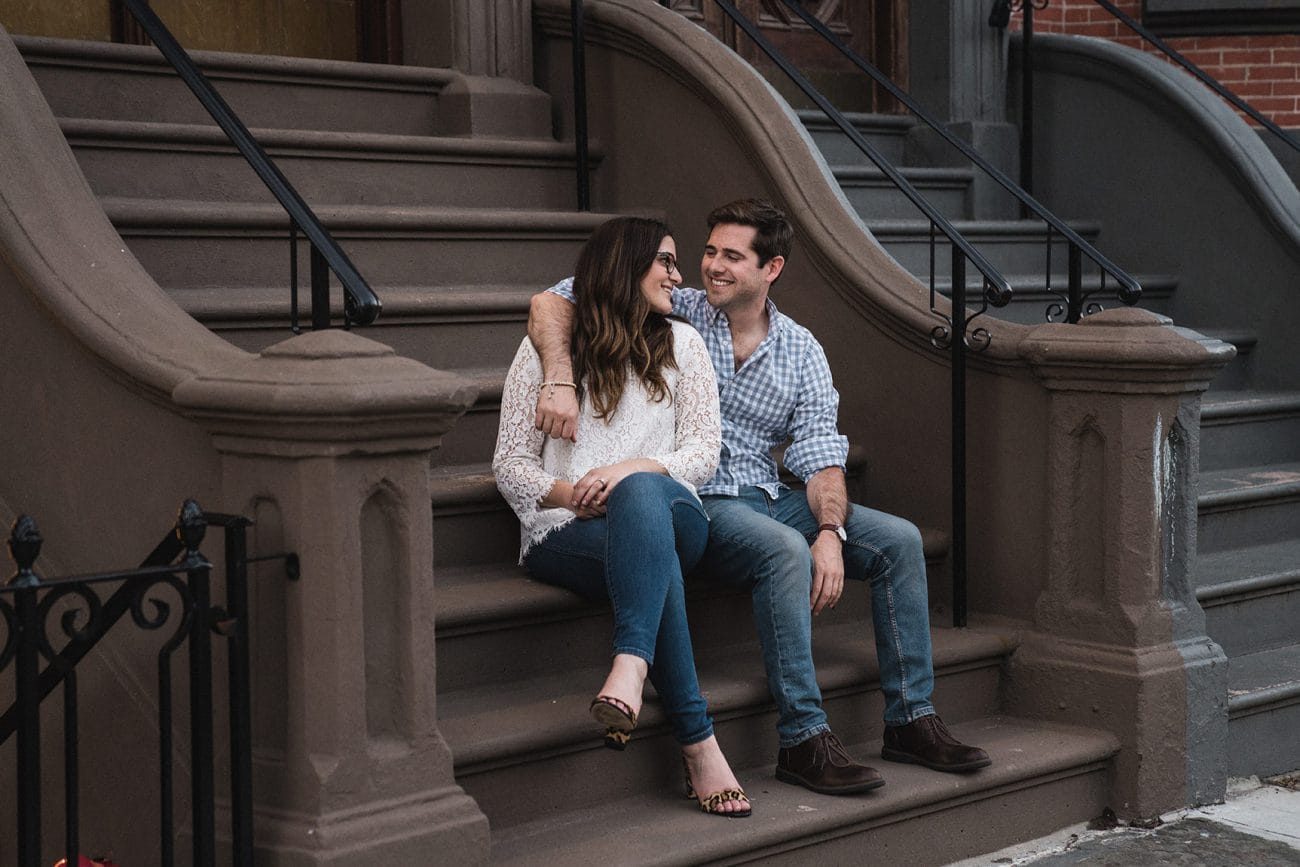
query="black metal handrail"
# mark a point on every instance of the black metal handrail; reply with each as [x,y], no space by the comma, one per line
[361,306]
[1201,75]
[1000,17]
[996,288]
[997,292]
[28,640]
[1128,290]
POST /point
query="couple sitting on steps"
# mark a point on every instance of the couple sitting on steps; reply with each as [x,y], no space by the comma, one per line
[637,425]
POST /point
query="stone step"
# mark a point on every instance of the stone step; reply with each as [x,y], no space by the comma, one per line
[1251,596]
[447,327]
[134,82]
[1042,778]
[1239,375]
[887,132]
[504,736]
[202,245]
[1248,506]
[496,624]
[874,196]
[133,159]
[1264,712]
[1245,428]
[1012,246]
[472,525]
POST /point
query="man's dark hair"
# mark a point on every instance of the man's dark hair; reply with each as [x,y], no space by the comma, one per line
[773,233]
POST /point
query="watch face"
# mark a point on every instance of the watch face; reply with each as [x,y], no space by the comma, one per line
[839,531]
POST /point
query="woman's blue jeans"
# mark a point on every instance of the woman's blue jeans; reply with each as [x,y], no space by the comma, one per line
[653,532]
[763,544]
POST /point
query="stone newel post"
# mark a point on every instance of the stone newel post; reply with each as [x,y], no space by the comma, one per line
[1121,641]
[325,440]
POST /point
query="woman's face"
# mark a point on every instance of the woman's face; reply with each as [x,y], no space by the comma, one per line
[657,283]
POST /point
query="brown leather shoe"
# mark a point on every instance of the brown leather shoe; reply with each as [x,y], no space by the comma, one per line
[821,764]
[927,741]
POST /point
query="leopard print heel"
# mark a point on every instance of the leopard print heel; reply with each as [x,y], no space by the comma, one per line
[711,803]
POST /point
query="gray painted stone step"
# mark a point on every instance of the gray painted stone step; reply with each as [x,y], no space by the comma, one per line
[1012,246]
[1245,428]
[190,161]
[1246,568]
[874,197]
[1248,506]
[1264,712]
[539,726]
[134,82]
[1251,596]
[1239,375]
[1042,778]
[194,245]
[887,132]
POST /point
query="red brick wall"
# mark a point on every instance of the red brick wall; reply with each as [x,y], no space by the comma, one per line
[1263,69]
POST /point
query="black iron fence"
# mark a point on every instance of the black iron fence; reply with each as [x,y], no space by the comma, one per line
[55,623]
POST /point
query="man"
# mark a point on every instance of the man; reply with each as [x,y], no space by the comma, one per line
[792,549]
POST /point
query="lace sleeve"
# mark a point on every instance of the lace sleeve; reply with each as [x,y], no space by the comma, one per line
[517,462]
[698,426]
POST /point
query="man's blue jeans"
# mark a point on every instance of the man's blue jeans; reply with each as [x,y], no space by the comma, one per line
[763,544]
[652,533]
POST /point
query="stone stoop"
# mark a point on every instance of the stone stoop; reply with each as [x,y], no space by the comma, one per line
[456,232]
[520,661]
[1014,246]
[1247,572]
[1249,502]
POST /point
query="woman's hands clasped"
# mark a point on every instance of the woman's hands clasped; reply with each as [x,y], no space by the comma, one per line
[591,492]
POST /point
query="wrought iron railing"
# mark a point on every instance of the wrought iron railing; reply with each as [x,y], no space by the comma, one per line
[361,306]
[1001,16]
[38,613]
[996,290]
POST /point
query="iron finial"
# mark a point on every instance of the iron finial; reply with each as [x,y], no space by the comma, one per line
[191,526]
[25,546]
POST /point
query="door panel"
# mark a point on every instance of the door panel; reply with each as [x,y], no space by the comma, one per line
[875,29]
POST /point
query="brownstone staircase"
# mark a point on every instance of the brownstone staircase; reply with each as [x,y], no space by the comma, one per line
[455,232]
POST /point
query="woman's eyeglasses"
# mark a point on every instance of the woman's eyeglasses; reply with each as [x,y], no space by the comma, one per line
[668,260]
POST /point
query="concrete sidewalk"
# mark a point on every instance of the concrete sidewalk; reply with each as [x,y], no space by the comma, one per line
[1258,824]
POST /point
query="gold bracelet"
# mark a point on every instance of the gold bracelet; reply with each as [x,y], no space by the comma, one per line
[551,386]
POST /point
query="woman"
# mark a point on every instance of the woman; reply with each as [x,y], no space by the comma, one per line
[614,514]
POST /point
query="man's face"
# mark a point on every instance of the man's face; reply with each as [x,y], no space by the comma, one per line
[730,271]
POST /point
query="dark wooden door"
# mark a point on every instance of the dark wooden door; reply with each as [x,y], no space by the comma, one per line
[875,29]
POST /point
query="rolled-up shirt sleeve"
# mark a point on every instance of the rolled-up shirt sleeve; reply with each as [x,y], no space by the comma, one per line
[816,442]
[564,289]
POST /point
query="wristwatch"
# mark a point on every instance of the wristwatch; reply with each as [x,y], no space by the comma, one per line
[837,529]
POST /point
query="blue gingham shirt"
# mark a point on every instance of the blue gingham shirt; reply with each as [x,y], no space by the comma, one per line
[782,392]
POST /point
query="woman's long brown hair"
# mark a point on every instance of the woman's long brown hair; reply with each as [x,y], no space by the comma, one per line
[614,327]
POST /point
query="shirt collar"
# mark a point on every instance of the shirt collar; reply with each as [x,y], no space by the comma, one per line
[775,319]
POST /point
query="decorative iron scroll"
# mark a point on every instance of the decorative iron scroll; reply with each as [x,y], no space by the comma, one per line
[59,621]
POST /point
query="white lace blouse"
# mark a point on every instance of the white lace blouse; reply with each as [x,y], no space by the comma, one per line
[684,434]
